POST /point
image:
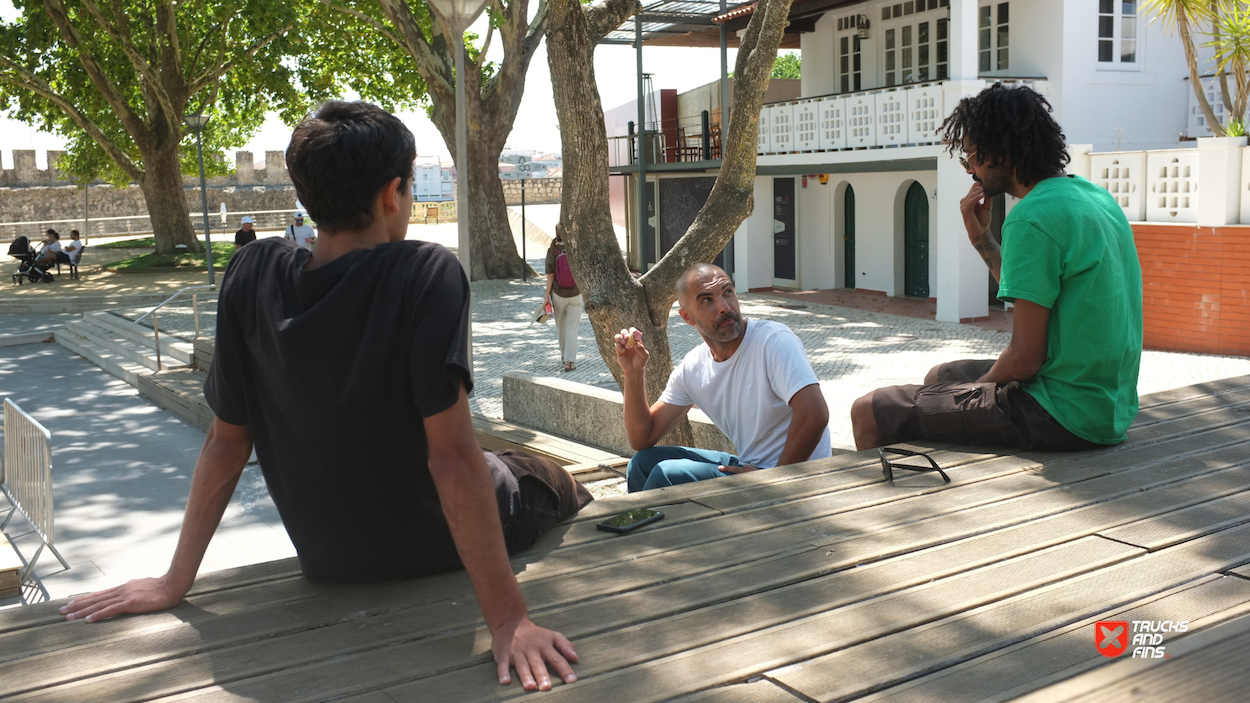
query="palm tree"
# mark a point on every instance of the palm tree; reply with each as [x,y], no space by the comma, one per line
[1181,16]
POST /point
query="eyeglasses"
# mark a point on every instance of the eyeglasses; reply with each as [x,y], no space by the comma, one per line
[887,466]
[963,160]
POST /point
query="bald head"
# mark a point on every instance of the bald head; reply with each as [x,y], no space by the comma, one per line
[695,277]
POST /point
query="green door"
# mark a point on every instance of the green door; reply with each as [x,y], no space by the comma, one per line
[848,238]
[916,242]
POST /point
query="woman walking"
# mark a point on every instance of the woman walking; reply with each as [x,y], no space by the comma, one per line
[566,305]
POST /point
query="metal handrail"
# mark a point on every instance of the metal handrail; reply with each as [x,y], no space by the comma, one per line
[170,299]
[156,327]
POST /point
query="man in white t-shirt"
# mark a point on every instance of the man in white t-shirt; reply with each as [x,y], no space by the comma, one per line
[300,233]
[73,248]
[752,379]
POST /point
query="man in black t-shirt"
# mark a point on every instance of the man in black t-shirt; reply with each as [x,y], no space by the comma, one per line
[246,233]
[347,367]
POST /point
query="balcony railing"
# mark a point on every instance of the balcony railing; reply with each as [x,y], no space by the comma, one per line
[907,115]
[899,116]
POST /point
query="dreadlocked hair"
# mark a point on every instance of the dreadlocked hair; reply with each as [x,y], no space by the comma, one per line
[1010,125]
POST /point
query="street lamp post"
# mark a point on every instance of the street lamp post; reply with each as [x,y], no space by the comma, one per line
[197,123]
[457,15]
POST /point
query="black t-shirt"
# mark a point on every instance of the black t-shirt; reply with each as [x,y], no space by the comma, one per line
[244,236]
[333,370]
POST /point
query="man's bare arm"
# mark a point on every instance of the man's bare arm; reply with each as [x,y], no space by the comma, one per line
[976,210]
[467,494]
[644,425]
[1026,352]
[225,453]
[807,425]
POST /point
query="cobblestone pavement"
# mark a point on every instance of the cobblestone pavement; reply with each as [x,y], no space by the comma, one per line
[852,351]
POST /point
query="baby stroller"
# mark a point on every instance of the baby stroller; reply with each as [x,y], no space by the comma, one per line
[26,267]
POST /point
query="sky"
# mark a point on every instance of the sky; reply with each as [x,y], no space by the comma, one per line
[536,125]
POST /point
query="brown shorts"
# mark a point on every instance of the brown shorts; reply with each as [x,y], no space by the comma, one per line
[958,409]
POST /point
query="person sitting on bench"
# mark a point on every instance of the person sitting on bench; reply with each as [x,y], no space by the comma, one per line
[1068,378]
[302,341]
[752,377]
[52,252]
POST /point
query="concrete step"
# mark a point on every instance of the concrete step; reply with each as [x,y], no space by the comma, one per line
[171,347]
[120,345]
[104,357]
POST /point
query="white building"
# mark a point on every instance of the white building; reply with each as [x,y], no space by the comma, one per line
[432,180]
[854,189]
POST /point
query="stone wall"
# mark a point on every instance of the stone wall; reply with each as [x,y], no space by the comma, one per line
[40,198]
[538,191]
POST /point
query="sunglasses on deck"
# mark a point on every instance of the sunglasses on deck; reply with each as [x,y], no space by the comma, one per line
[887,466]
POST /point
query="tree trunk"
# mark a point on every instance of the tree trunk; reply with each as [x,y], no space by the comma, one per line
[1195,81]
[167,203]
[615,300]
[490,235]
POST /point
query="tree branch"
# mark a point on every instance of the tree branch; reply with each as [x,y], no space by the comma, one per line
[377,26]
[731,199]
[132,122]
[224,68]
[25,80]
[606,16]
[436,70]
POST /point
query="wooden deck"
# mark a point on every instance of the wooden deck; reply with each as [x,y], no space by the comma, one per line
[810,582]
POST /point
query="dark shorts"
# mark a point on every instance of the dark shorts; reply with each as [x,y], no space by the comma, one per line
[534,494]
[958,409]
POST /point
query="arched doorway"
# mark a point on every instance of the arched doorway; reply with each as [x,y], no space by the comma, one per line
[848,237]
[916,242]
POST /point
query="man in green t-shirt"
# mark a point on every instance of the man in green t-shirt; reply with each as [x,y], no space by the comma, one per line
[1068,378]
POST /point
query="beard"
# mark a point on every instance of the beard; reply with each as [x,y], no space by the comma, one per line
[994,184]
[722,332]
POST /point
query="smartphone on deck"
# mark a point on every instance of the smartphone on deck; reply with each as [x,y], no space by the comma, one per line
[630,521]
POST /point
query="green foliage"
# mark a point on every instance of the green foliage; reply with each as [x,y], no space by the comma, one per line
[1231,43]
[222,252]
[787,66]
[1235,128]
[206,35]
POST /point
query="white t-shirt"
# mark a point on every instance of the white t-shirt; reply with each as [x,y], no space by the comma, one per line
[303,235]
[49,247]
[77,252]
[747,395]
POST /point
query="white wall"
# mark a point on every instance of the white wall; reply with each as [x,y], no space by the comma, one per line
[818,52]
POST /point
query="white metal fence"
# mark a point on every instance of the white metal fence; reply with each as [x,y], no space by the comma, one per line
[26,478]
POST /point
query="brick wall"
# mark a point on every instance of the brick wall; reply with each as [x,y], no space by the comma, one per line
[1196,284]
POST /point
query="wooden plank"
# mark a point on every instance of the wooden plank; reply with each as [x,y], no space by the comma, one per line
[763,691]
[619,648]
[646,606]
[953,640]
[1175,527]
[1213,658]
[1069,651]
[10,569]
[1241,571]
[731,551]
[1177,432]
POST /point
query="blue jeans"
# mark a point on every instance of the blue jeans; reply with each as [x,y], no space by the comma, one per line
[668,466]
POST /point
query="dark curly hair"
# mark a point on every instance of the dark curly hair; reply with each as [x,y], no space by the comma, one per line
[1011,125]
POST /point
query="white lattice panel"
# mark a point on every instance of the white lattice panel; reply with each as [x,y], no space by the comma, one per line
[806,126]
[781,139]
[925,113]
[861,121]
[891,108]
[1197,122]
[763,146]
[832,112]
[1123,175]
[1172,186]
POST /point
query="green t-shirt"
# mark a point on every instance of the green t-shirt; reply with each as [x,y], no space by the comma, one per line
[1067,246]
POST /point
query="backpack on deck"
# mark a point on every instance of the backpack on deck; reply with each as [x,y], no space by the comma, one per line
[564,275]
